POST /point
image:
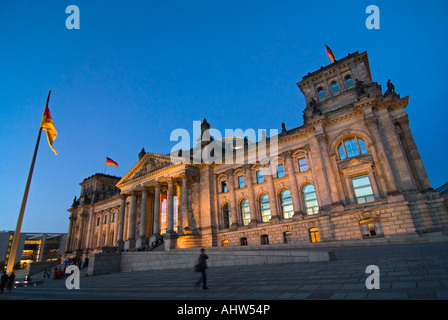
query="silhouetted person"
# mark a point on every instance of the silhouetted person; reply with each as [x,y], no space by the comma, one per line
[202,266]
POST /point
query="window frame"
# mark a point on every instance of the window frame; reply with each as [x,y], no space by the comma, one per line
[361,148]
[224,186]
[245,215]
[366,198]
[229,215]
[241,182]
[346,78]
[259,176]
[334,85]
[321,93]
[264,217]
[300,166]
[280,171]
[313,209]
[290,213]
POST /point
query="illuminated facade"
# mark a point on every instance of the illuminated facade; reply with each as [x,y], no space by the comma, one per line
[352,171]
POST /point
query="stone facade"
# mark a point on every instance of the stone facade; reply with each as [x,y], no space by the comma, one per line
[352,171]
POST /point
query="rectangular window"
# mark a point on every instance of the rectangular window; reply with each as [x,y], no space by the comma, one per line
[260,178]
[302,164]
[363,189]
[241,182]
[280,171]
[224,186]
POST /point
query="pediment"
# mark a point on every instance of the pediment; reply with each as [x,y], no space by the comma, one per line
[355,164]
[150,162]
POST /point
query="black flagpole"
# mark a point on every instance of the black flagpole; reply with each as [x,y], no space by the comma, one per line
[15,241]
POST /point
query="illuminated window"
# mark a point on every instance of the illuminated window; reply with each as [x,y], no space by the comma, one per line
[225,243]
[363,189]
[351,148]
[163,210]
[371,228]
[314,235]
[286,204]
[245,211]
[265,208]
[226,214]
[310,198]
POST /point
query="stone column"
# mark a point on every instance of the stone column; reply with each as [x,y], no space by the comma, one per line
[120,242]
[170,237]
[170,206]
[271,193]
[233,205]
[372,125]
[183,221]
[415,160]
[293,183]
[130,242]
[141,240]
[251,197]
[156,215]
[68,246]
[329,179]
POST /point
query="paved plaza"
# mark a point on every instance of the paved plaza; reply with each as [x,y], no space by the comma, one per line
[407,272]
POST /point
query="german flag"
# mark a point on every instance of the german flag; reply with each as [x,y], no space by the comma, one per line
[48,126]
[330,54]
[110,162]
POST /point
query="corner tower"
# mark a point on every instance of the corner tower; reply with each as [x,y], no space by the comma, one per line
[335,87]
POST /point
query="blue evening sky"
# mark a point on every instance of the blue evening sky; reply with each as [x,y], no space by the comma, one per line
[137,70]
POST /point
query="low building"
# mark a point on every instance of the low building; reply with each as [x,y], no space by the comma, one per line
[33,247]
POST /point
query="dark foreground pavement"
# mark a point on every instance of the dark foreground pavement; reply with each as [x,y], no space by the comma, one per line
[407,272]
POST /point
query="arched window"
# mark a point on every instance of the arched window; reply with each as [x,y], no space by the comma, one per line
[245,211]
[265,208]
[310,199]
[320,92]
[351,147]
[286,204]
[334,86]
[349,81]
[227,215]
